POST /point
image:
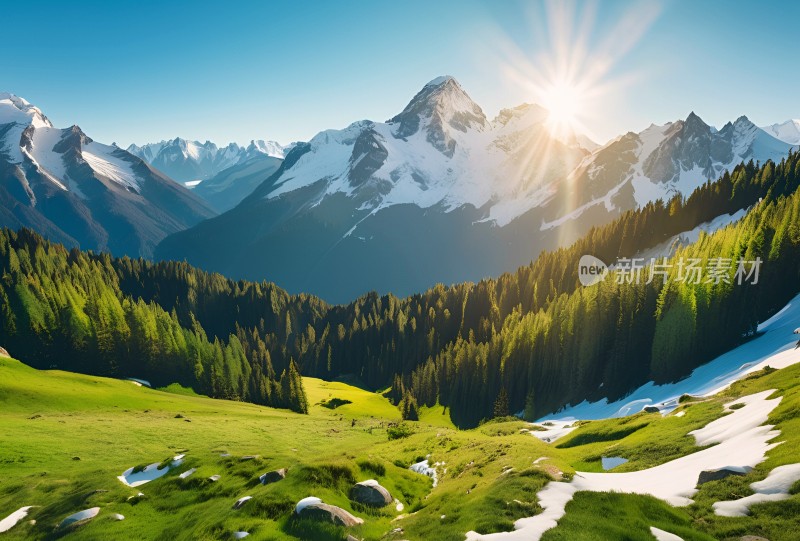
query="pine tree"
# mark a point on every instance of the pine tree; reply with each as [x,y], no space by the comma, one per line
[530,407]
[408,408]
[501,404]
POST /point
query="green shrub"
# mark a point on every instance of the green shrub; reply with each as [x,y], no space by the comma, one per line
[398,431]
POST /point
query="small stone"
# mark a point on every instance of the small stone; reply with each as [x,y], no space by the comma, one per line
[721,473]
[273,476]
[328,513]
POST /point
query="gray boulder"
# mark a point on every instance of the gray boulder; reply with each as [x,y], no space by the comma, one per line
[316,509]
[4,353]
[721,473]
[370,493]
[273,476]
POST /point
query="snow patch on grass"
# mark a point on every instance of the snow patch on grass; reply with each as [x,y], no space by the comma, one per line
[661,535]
[741,441]
[149,473]
[11,520]
[772,489]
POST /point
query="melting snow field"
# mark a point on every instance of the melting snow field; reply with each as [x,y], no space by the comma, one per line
[425,469]
[742,441]
[772,489]
[775,348]
[11,520]
[553,429]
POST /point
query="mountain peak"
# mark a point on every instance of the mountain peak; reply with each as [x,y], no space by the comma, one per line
[693,117]
[694,123]
[20,111]
[442,79]
[440,106]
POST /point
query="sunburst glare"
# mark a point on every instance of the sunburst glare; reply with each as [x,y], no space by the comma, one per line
[567,67]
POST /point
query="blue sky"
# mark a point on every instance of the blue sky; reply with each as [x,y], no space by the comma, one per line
[234,71]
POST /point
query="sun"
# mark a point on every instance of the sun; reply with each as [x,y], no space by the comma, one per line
[564,104]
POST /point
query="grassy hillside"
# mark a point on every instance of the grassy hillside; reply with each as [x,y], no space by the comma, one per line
[66,437]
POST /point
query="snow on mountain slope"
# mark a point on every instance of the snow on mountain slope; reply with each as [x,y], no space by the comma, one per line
[108,161]
[77,191]
[662,161]
[441,193]
[440,151]
[788,132]
[774,348]
[18,110]
[49,162]
[670,246]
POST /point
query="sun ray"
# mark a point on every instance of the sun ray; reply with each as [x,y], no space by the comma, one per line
[573,74]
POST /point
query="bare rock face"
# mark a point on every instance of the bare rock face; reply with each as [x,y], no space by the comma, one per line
[4,353]
[273,476]
[323,512]
[721,473]
[370,493]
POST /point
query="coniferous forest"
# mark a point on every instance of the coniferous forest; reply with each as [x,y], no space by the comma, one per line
[532,341]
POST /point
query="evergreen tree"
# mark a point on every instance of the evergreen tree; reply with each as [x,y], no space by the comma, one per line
[501,404]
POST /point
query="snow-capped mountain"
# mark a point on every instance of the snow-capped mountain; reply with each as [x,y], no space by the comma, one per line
[83,193]
[440,193]
[191,161]
[440,150]
[788,132]
[659,162]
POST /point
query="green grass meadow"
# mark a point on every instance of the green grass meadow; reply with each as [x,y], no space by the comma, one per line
[64,439]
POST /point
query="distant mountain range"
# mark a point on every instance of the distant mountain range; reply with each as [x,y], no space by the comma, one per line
[80,192]
[440,193]
[788,131]
[192,161]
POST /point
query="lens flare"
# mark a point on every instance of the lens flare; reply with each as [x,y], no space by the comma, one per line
[564,104]
[565,64]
